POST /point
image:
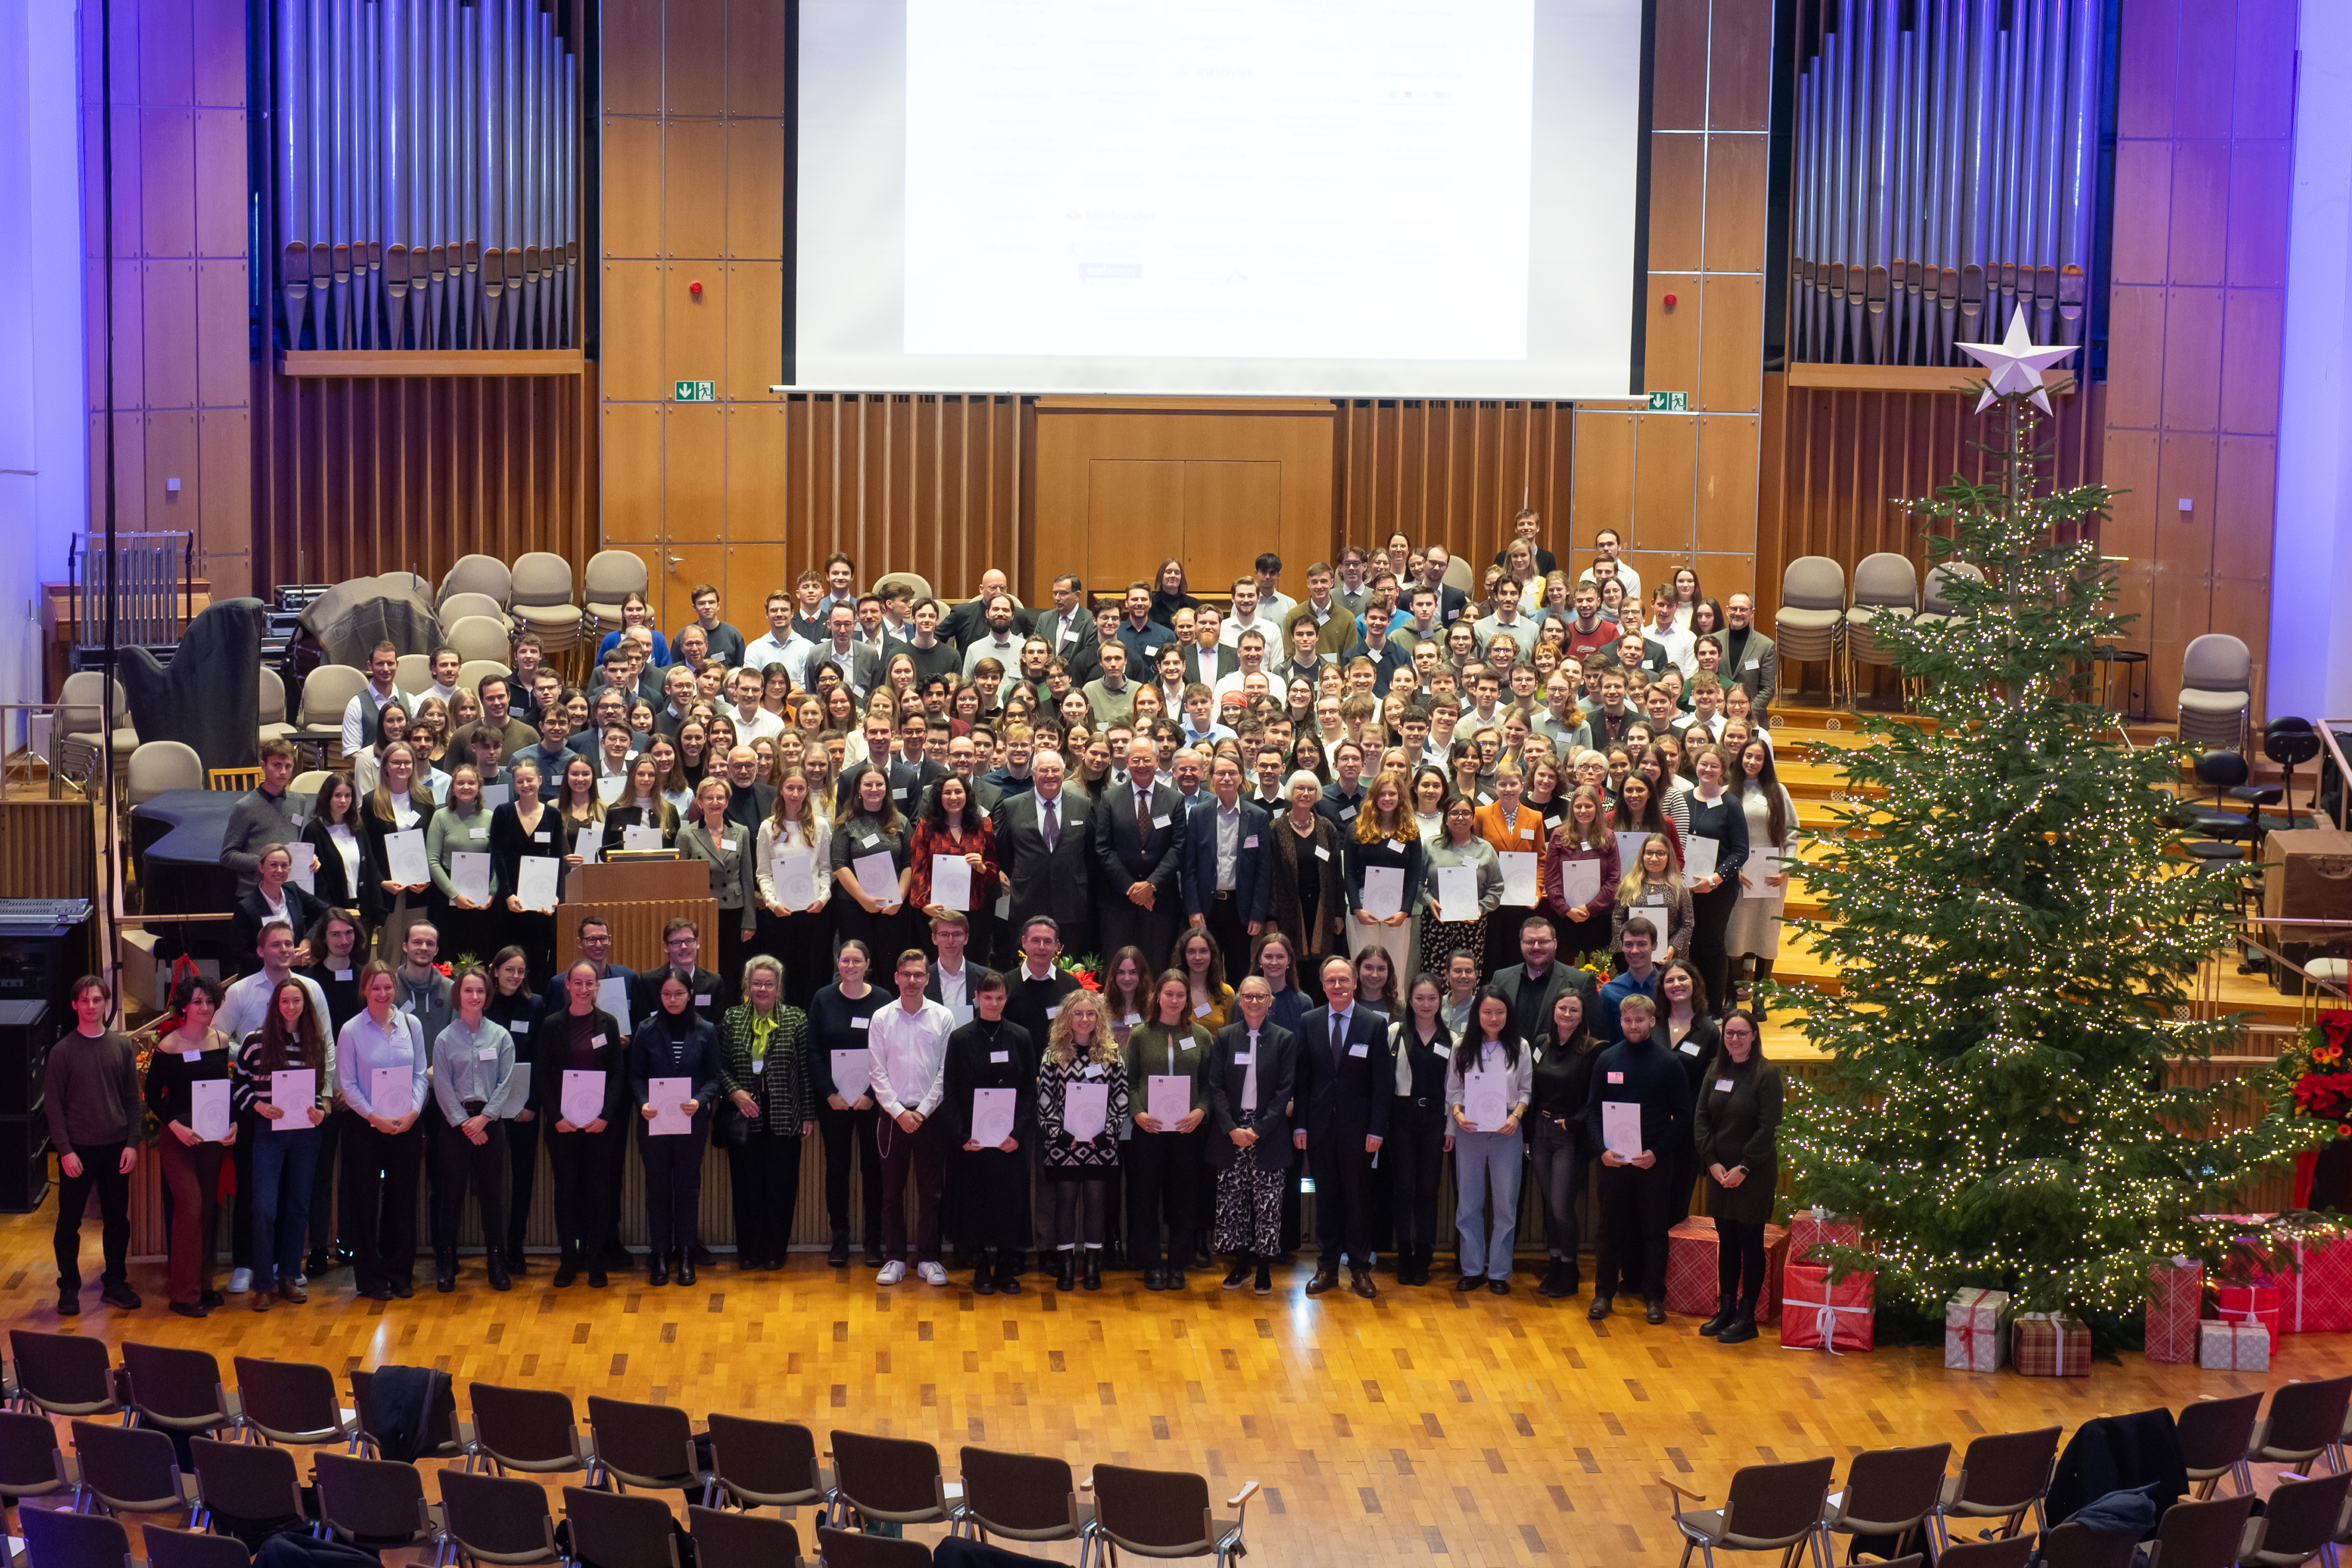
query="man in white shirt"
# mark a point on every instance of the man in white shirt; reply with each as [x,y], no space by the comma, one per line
[951,977]
[1605,547]
[1681,646]
[781,644]
[443,682]
[909,1045]
[1004,640]
[751,720]
[1251,652]
[359,713]
[1272,602]
[245,1007]
[1507,621]
[1249,611]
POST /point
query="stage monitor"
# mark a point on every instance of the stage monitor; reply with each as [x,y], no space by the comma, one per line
[1423,198]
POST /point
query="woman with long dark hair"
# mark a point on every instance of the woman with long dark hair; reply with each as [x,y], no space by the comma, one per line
[800,934]
[1489,1079]
[1736,1131]
[514,1007]
[1752,939]
[580,1036]
[674,1046]
[345,877]
[398,804]
[1418,1140]
[527,826]
[873,827]
[840,1018]
[1716,815]
[292,1038]
[192,1053]
[1164,1159]
[951,825]
[1563,1082]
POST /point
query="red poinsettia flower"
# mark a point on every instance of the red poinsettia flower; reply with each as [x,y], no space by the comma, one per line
[2323,1094]
[443,969]
[1085,979]
[2337,1028]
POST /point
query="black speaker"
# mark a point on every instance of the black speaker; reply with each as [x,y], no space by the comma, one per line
[25,1037]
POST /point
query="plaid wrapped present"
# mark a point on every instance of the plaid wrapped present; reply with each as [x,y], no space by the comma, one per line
[2176,1295]
[2232,1347]
[1808,1227]
[1973,1338]
[2252,1304]
[1692,1282]
[2051,1344]
[2314,1283]
[1818,1316]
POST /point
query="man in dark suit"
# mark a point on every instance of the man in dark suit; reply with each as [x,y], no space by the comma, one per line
[1533,984]
[750,799]
[1068,627]
[1207,657]
[1249,1080]
[682,945]
[1035,986]
[860,663]
[1045,840]
[1138,844]
[1450,601]
[968,622]
[1345,1082]
[595,950]
[1228,864]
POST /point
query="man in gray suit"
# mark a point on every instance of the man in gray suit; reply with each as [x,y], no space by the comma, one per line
[1749,657]
[1045,843]
[860,663]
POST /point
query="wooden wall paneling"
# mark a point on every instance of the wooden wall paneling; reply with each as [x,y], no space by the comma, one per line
[173,453]
[2254,331]
[694,326]
[632,212]
[694,65]
[2143,211]
[1739,64]
[1730,367]
[2197,247]
[694,472]
[2245,483]
[757,470]
[634,364]
[163,73]
[1671,350]
[1679,72]
[755,568]
[168,298]
[1678,201]
[2192,358]
[131,340]
[1738,171]
[631,55]
[684,566]
[755,57]
[695,188]
[1665,465]
[755,172]
[1133,513]
[1726,467]
[224,357]
[1603,481]
[1773,461]
[218,59]
[167,153]
[219,179]
[2260,175]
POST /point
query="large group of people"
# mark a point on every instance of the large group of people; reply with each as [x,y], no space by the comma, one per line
[1392,864]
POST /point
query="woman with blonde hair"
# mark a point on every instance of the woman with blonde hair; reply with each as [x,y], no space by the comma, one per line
[1387,838]
[397,804]
[797,933]
[1653,887]
[1079,1053]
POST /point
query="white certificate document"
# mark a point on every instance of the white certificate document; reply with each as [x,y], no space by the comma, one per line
[1629,852]
[1383,891]
[635,836]
[992,1116]
[582,1096]
[305,875]
[1085,1107]
[609,787]
[1168,1099]
[293,1092]
[1519,876]
[666,1095]
[1485,1099]
[877,877]
[1698,856]
[405,861]
[853,1074]
[388,1092]
[496,795]
[535,882]
[1621,1127]
[589,844]
[793,870]
[1760,864]
[208,1108]
[469,875]
[1580,882]
[1457,892]
[613,996]
[951,883]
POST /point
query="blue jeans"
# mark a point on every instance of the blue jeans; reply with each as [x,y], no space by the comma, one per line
[1481,1160]
[284,1164]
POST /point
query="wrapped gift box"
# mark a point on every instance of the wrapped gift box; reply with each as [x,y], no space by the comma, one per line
[2252,1304]
[1973,1341]
[2232,1347]
[1818,1316]
[1692,1282]
[2176,1295]
[2313,1277]
[2052,1344]
[1808,1227]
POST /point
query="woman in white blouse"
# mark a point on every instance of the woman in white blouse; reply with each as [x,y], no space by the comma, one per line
[380,1075]
[800,932]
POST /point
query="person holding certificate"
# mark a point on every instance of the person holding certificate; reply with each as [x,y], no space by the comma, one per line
[1462,886]
[953,860]
[1564,1054]
[276,896]
[188,1090]
[398,811]
[527,827]
[1581,876]
[763,1071]
[1713,853]
[473,1073]
[1653,889]
[1307,911]
[1489,1079]
[284,1088]
[1081,1104]
[514,1008]
[674,1069]
[457,841]
[1418,1140]
[580,802]
[793,877]
[841,1025]
[380,1072]
[711,836]
[1737,1128]
[991,1109]
[1635,1113]
[641,804]
[908,1044]
[1753,938]
[1515,829]
[577,1085]
[1163,1060]
[871,868]
[1384,873]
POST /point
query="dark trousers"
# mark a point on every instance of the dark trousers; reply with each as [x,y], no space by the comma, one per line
[994,1187]
[1413,1159]
[766,1176]
[1503,925]
[462,1163]
[920,1156]
[1163,1179]
[1227,928]
[1121,923]
[733,948]
[803,942]
[1739,1261]
[615,1146]
[534,933]
[193,1172]
[1710,917]
[1635,1206]
[1559,1155]
[325,1225]
[844,1132]
[1343,1198]
[522,1179]
[381,1171]
[580,1166]
[101,1167]
[673,1164]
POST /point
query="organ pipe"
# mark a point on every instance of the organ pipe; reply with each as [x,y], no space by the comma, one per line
[1945,177]
[425,179]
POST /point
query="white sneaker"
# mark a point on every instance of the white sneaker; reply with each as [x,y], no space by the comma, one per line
[932,1274]
[892,1272]
[240,1280]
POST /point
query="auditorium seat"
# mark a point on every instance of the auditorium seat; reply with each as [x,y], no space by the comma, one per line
[2217,689]
[1934,606]
[274,725]
[458,606]
[1812,616]
[326,692]
[78,717]
[612,575]
[1884,585]
[1767,1508]
[484,575]
[542,603]
[165,765]
[1165,1513]
[471,673]
[414,674]
[477,639]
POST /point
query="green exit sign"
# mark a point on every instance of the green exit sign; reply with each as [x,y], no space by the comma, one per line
[1660,402]
[708,391]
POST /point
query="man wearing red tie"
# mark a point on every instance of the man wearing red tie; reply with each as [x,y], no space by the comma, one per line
[1344,1080]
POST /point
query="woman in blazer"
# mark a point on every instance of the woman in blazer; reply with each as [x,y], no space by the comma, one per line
[579,1037]
[1309,903]
[1385,835]
[1716,815]
[1653,889]
[726,845]
[1488,1151]
[1512,826]
[839,1017]
[1164,1159]
[799,934]
[514,1007]
[764,1073]
[1686,1028]
[1079,1050]
[677,1042]
[993,1178]
[1583,835]
[1738,1122]
[1446,930]
[1417,1139]
[462,826]
[399,804]
[1248,1081]
[1564,1054]
[346,878]
[277,899]
[526,826]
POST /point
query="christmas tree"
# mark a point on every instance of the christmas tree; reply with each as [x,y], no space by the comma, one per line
[2016,951]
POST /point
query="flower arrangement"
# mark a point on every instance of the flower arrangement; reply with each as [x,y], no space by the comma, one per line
[1086,971]
[2318,1079]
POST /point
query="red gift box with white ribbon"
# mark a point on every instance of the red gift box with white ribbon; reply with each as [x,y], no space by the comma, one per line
[2313,1279]
[1816,1315]
[2252,1304]
[2176,1296]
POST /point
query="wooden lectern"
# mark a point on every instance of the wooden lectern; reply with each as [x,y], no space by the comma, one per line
[636,899]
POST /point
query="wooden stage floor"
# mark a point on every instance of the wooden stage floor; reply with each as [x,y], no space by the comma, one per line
[1428,1425]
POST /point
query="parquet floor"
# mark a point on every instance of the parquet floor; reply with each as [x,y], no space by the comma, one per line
[1468,1429]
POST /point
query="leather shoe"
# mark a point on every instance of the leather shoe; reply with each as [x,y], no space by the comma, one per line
[983,1281]
[1008,1273]
[1657,1311]
[1065,1270]
[1174,1281]
[597,1279]
[288,1290]
[1262,1283]
[1239,1273]
[403,1288]
[566,1272]
[1500,1286]
[444,1280]
[198,1310]
[1359,1281]
[1599,1308]
[1093,1279]
[1325,1280]
[658,1272]
[68,1304]
[837,1255]
[1740,1330]
[1152,1279]
[1468,1282]
[500,1278]
[686,1269]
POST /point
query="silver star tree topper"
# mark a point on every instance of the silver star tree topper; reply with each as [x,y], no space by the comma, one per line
[2016,362]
